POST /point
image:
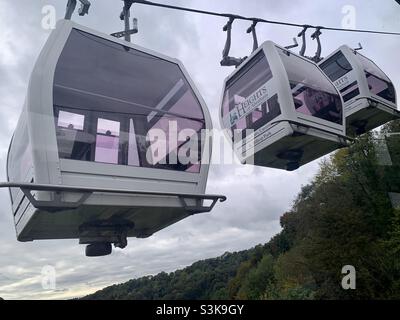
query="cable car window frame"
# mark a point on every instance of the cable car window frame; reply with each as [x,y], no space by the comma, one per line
[315,90]
[372,71]
[195,108]
[116,136]
[247,122]
[341,70]
[71,125]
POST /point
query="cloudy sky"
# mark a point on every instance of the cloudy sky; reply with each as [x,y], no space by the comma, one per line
[256,198]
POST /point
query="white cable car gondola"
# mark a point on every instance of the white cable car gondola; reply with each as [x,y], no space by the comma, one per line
[79,164]
[294,109]
[368,94]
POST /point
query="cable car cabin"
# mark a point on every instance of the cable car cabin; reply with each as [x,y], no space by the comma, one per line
[368,94]
[108,144]
[280,110]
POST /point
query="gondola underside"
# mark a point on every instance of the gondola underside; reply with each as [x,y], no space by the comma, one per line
[367,115]
[306,147]
[101,222]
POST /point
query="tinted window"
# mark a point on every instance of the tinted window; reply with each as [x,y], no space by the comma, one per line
[313,93]
[336,66]
[246,103]
[378,83]
[107,98]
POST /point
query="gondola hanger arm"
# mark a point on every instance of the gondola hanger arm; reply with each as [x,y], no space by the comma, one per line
[316,36]
[252,30]
[294,45]
[302,34]
[71,5]
[360,47]
[226,59]
[125,15]
[126,9]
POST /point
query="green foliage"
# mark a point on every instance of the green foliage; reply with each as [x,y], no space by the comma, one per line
[257,280]
[343,217]
[206,279]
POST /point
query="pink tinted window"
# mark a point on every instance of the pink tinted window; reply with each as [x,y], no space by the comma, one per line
[108,127]
[71,120]
[241,88]
[313,94]
[194,168]
[378,82]
[121,99]
[241,124]
[381,87]
[192,118]
[299,102]
[256,114]
[107,141]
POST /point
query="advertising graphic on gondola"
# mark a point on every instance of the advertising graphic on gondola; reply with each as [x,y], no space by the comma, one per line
[245,105]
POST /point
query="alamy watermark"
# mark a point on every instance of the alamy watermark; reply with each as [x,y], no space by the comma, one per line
[49,18]
[48,278]
[349,280]
[349,20]
[171,146]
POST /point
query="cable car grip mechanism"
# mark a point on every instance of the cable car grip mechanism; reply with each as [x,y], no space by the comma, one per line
[125,15]
[302,34]
[71,5]
[252,30]
[316,36]
[228,61]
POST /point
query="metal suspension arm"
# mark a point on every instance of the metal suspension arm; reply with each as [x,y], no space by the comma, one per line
[226,59]
[125,15]
[252,30]
[302,34]
[71,6]
[84,9]
[316,35]
[228,29]
[294,45]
